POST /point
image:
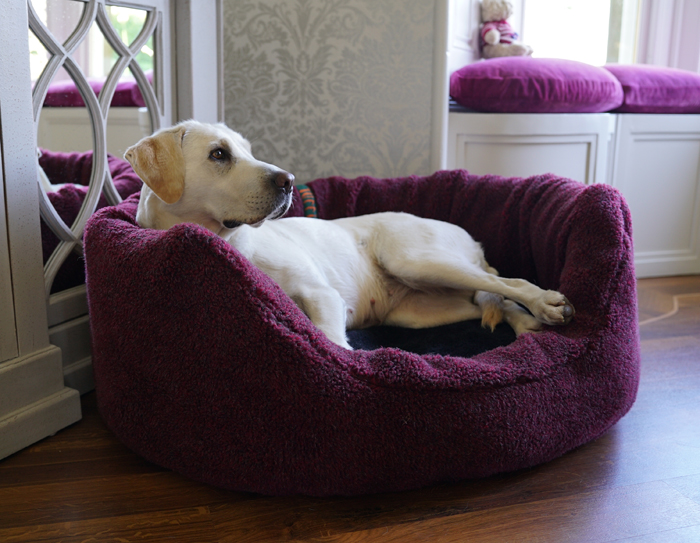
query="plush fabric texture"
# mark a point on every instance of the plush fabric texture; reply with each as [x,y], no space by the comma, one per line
[66,93]
[75,169]
[205,366]
[656,89]
[535,85]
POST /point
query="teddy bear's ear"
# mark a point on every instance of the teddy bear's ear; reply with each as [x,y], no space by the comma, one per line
[495,10]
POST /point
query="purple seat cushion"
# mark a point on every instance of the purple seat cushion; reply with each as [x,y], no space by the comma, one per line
[66,93]
[205,366]
[656,89]
[75,169]
[535,85]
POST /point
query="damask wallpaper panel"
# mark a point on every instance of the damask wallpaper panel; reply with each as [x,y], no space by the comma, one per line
[332,87]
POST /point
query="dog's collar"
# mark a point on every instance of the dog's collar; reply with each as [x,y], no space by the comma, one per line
[309,201]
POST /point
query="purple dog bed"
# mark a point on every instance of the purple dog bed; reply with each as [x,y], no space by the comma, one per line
[204,366]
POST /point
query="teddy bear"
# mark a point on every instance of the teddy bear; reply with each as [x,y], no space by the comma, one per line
[497,38]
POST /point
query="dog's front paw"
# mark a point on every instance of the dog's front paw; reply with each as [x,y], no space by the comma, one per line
[553,308]
[340,340]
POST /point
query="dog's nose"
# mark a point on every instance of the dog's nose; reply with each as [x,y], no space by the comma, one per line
[283,180]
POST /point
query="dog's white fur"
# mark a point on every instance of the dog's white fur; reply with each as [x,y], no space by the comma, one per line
[385,268]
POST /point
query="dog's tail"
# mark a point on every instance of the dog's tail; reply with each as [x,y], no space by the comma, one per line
[491,308]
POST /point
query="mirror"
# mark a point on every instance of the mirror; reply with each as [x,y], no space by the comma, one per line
[64,123]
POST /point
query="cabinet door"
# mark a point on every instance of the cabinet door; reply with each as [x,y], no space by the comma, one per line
[657,169]
[572,145]
[34,403]
[8,335]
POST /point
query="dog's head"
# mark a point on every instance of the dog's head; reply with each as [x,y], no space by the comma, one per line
[206,174]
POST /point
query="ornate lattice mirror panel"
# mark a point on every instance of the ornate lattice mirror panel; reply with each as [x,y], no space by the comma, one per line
[101,81]
[96,68]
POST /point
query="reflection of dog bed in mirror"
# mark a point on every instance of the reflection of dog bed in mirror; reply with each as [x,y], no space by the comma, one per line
[72,172]
[203,365]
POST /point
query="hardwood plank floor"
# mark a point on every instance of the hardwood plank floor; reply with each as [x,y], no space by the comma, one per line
[639,483]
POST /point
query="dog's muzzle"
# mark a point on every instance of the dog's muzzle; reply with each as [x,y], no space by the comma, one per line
[283,183]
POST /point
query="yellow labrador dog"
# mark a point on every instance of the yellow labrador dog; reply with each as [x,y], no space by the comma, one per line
[385,268]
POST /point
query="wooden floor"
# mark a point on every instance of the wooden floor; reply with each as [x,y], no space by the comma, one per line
[639,483]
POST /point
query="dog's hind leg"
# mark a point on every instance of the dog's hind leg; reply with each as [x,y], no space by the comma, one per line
[519,319]
[435,270]
[427,309]
[425,254]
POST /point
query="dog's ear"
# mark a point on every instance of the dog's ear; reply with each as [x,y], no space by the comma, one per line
[159,162]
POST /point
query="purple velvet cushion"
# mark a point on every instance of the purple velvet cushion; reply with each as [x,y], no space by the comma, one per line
[535,85]
[66,93]
[656,89]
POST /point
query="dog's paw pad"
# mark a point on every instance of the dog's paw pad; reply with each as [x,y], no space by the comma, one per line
[556,309]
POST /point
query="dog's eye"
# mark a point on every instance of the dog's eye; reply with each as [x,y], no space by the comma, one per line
[218,154]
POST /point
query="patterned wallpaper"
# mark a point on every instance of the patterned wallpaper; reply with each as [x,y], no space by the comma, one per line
[332,87]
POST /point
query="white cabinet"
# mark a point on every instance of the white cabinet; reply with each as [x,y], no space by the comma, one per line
[653,159]
[8,340]
[69,129]
[34,402]
[524,144]
[656,166]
